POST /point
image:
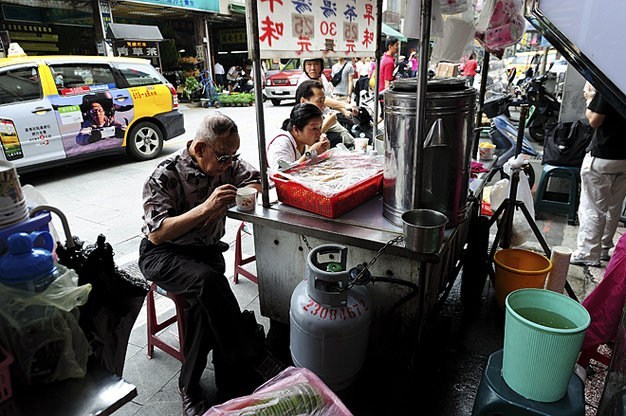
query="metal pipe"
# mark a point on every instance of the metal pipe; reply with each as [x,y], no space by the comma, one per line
[208,63]
[481,101]
[377,56]
[422,78]
[252,17]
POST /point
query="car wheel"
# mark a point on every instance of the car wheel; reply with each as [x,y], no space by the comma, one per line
[275,101]
[145,141]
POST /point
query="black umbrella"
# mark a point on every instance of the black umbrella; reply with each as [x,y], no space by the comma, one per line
[115,299]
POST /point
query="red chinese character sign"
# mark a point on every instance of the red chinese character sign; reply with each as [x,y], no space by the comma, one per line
[315,28]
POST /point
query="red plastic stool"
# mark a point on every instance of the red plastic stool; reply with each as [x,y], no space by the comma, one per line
[154,327]
[592,353]
[240,261]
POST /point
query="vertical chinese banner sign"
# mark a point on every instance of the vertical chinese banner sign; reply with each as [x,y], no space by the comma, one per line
[317,28]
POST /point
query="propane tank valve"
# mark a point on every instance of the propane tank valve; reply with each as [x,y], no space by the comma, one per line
[365,275]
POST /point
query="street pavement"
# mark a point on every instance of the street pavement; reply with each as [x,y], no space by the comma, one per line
[104,196]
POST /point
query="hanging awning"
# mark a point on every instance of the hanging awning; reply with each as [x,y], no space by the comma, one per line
[237,7]
[123,31]
[389,31]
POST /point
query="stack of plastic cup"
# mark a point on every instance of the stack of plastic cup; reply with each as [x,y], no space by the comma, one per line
[12,201]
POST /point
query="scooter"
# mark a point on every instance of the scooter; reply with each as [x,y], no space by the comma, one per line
[546,109]
[503,133]
[362,123]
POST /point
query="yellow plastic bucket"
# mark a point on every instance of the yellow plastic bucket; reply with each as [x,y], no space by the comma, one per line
[519,269]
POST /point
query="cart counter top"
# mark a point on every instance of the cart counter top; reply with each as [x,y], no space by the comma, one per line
[364,226]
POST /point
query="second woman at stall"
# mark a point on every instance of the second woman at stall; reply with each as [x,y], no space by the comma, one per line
[303,128]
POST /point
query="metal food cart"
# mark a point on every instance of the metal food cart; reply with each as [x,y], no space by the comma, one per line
[284,235]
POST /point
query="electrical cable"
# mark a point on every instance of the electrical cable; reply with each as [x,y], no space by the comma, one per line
[412,294]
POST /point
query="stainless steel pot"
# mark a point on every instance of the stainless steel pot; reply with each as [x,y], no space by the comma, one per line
[423,230]
[440,179]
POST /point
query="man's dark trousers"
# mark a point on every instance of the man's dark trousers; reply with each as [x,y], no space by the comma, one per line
[212,318]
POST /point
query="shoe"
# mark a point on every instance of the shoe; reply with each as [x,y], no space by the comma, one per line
[581,260]
[192,405]
[605,256]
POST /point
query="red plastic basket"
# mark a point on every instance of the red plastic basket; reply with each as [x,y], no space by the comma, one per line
[296,195]
[5,375]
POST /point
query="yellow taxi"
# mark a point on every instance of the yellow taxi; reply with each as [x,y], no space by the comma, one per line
[524,60]
[58,109]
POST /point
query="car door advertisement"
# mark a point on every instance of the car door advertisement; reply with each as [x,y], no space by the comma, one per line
[10,142]
[63,126]
[93,121]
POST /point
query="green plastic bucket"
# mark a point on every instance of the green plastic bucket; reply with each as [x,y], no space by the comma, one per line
[543,333]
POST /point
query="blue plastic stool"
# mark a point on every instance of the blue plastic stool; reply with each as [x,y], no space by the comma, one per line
[570,206]
[495,398]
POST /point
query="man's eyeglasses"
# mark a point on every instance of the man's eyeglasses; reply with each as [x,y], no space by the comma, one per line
[224,158]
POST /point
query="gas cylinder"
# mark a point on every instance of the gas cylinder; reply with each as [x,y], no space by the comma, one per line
[329,320]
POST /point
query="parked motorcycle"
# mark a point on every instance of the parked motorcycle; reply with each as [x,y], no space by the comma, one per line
[503,133]
[546,109]
[243,83]
[362,123]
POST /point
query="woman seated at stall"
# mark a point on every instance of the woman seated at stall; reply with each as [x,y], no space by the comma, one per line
[300,137]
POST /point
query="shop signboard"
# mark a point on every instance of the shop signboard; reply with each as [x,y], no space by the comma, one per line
[232,37]
[137,49]
[304,28]
[201,5]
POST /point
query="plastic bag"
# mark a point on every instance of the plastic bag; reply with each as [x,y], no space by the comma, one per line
[506,24]
[521,231]
[412,20]
[458,34]
[453,6]
[335,171]
[41,330]
[295,391]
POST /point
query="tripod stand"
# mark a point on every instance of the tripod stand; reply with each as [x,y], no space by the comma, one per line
[510,204]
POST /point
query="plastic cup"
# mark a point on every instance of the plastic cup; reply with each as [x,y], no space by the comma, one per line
[486,150]
[246,199]
[360,144]
[10,189]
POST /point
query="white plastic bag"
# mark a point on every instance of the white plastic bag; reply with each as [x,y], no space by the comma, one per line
[453,6]
[412,20]
[458,34]
[41,330]
[521,231]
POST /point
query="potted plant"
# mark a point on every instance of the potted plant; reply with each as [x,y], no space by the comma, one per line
[191,85]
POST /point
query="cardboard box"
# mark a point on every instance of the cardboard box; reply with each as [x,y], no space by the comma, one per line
[447,70]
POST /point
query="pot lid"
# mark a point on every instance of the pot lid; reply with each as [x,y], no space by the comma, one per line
[433,85]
